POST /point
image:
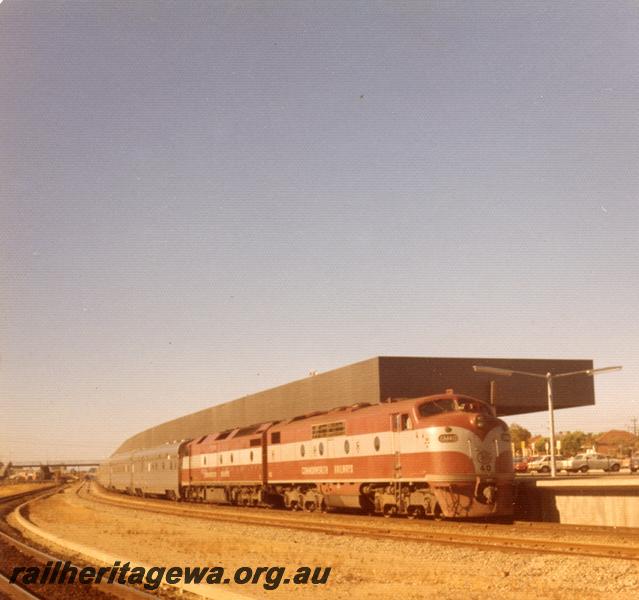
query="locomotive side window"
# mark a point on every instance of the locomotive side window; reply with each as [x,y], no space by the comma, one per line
[377,443]
[400,422]
[321,448]
[347,447]
[328,429]
[302,450]
[275,437]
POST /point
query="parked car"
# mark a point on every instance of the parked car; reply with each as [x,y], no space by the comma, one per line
[585,462]
[542,463]
[520,464]
[632,463]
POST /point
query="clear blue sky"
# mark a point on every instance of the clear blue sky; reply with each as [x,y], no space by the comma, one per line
[201,200]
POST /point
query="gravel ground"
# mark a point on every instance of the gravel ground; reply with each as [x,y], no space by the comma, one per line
[360,568]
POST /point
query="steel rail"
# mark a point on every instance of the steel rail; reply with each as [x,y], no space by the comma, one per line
[629,534]
[115,589]
[12,497]
[17,589]
[485,542]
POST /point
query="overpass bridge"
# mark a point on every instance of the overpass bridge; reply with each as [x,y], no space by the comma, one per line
[45,466]
[54,464]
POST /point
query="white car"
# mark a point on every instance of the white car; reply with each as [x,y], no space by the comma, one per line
[584,462]
[542,463]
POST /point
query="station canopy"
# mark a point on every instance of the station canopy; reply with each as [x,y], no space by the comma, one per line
[378,380]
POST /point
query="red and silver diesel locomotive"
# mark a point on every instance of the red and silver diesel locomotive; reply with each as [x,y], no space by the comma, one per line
[445,455]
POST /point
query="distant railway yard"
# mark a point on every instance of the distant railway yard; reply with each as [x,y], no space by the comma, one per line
[368,556]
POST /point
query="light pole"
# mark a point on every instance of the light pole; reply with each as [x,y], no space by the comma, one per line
[549,377]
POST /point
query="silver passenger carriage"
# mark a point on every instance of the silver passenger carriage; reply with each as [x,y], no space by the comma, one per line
[116,473]
[149,471]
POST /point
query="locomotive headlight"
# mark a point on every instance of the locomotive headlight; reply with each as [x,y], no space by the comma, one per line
[480,421]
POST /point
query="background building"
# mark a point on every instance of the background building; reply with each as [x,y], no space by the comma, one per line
[378,379]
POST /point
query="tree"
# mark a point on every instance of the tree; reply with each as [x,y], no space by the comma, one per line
[572,442]
[519,434]
[540,445]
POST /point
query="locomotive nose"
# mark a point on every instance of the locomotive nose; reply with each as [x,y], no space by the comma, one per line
[482,421]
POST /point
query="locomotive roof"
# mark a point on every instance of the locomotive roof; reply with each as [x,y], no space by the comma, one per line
[392,406]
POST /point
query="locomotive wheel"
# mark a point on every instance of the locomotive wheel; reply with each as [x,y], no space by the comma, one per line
[390,511]
[417,513]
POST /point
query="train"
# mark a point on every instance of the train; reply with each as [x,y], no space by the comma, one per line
[442,456]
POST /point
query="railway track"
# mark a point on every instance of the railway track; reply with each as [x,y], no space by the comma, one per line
[17,551]
[479,538]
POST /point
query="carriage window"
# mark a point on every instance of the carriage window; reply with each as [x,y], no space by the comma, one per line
[321,448]
[302,450]
[347,447]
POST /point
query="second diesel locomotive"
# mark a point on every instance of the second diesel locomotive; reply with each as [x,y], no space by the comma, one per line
[444,455]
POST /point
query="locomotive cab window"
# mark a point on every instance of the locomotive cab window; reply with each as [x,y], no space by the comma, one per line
[469,405]
[437,407]
[275,437]
[429,409]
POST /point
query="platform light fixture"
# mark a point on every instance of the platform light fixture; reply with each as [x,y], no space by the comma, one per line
[549,377]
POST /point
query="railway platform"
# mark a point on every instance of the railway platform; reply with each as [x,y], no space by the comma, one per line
[608,500]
